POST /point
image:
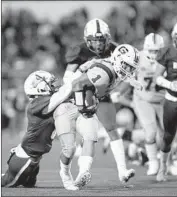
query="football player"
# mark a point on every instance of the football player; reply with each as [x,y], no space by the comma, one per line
[105,75]
[24,160]
[148,102]
[97,45]
[169,61]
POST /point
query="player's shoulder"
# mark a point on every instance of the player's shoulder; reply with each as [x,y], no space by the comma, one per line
[112,45]
[167,53]
[75,52]
[104,66]
[39,105]
[77,49]
[109,50]
[172,51]
[74,49]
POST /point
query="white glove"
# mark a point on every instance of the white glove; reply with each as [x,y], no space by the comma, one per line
[173,86]
[136,84]
[115,97]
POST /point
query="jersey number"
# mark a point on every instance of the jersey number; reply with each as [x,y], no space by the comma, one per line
[96,78]
[149,82]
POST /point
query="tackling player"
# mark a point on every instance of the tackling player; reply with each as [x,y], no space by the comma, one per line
[148,104]
[24,161]
[169,61]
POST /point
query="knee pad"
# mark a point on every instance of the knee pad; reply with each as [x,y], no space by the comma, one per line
[68,150]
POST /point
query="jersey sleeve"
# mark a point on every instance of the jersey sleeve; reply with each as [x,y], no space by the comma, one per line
[98,77]
[163,57]
[39,106]
[73,55]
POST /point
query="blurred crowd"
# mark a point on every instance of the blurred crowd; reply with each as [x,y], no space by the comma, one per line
[29,44]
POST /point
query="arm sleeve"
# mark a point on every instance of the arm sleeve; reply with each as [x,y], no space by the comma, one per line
[98,77]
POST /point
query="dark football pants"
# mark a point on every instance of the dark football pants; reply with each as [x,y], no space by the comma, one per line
[170,125]
[21,171]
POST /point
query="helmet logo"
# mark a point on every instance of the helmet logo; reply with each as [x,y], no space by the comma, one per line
[123,50]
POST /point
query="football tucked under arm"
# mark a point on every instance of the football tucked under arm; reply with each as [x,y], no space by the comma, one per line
[85,95]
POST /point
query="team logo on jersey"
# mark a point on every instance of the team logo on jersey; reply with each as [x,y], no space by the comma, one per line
[174,65]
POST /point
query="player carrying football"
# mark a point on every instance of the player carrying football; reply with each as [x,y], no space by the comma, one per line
[98,45]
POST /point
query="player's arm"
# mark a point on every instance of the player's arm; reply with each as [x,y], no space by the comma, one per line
[160,79]
[73,61]
[163,82]
[68,75]
[60,96]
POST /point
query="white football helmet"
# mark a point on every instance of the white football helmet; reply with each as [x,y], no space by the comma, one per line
[174,35]
[125,61]
[153,43]
[39,83]
[97,35]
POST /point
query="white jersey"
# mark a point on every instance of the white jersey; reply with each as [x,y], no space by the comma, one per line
[102,75]
[146,76]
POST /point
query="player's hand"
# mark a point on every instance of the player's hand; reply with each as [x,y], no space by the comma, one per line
[115,97]
[136,84]
[173,86]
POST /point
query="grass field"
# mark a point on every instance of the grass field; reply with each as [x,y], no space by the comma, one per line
[104,177]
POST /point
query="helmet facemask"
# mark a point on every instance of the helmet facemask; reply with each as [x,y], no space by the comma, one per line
[40,83]
[123,69]
[153,43]
[46,85]
[97,44]
[125,61]
[97,36]
[153,54]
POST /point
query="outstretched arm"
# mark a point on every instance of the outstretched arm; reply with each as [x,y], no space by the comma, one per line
[60,96]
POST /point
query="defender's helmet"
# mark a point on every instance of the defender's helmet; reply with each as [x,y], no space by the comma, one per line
[97,36]
[39,83]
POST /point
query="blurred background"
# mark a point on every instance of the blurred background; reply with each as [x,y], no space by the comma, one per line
[36,35]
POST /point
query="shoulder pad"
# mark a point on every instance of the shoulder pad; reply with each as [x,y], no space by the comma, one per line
[39,105]
[73,54]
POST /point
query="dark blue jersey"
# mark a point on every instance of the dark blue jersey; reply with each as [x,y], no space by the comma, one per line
[169,60]
[37,140]
[80,54]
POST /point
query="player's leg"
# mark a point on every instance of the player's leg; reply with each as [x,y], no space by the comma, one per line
[19,168]
[107,116]
[87,128]
[103,135]
[147,117]
[32,178]
[65,116]
[170,126]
